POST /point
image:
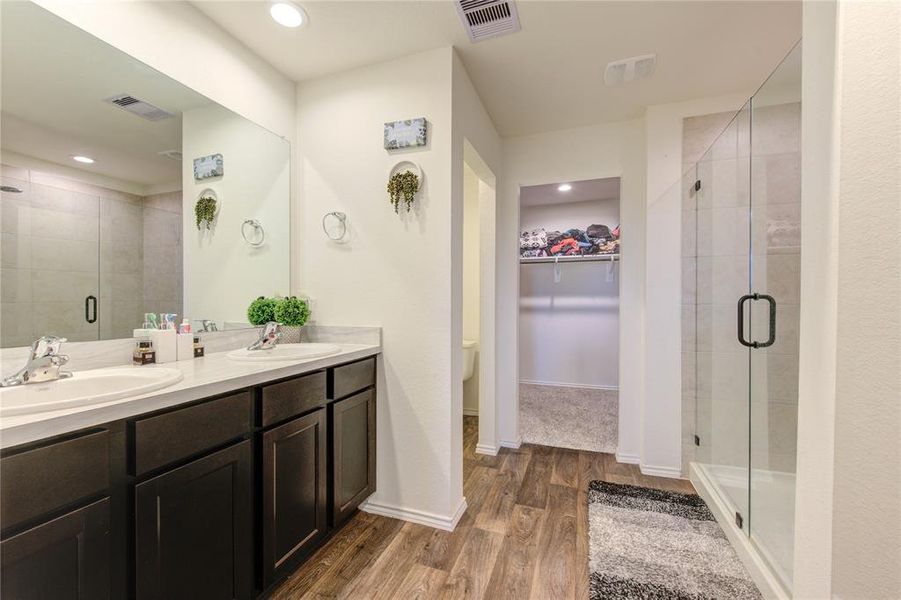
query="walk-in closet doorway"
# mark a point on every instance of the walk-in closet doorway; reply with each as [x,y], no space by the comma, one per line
[569,314]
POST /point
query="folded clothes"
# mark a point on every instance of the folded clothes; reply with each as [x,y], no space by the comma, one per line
[537,238]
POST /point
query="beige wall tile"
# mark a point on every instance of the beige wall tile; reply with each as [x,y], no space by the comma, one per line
[15,251]
[15,285]
[64,225]
[63,255]
[53,198]
[16,324]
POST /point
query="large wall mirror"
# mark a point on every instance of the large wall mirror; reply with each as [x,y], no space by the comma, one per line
[89,247]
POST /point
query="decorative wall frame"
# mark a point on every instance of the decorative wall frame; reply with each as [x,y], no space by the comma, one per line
[207,167]
[410,133]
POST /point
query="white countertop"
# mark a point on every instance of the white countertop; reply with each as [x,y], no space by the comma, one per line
[201,378]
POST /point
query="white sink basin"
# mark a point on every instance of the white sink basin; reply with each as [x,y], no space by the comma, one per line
[285,352]
[85,388]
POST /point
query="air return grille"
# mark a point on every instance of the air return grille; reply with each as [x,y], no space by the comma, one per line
[488,18]
[138,107]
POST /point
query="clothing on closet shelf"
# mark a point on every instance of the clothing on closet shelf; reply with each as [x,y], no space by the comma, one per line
[596,239]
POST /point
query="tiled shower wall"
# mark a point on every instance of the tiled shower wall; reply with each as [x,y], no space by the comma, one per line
[62,240]
[715,228]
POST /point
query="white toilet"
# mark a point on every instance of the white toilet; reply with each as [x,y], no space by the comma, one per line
[469,358]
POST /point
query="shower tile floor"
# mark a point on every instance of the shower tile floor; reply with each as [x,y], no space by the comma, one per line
[568,417]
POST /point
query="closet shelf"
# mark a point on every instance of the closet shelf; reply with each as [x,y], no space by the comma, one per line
[570,259]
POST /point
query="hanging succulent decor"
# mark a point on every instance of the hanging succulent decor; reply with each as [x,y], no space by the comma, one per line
[403,185]
[205,210]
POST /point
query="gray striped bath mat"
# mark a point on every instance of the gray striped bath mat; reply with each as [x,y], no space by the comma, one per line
[657,545]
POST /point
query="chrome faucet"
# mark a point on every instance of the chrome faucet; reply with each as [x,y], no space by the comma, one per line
[269,337]
[43,364]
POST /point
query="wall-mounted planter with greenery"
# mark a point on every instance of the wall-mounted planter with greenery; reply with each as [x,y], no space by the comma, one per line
[404,182]
[205,209]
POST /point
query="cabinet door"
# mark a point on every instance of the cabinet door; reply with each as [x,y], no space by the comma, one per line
[353,448]
[294,490]
[193,529]
[67,557]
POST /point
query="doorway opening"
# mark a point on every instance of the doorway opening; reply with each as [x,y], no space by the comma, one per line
[569,314]
[478,300]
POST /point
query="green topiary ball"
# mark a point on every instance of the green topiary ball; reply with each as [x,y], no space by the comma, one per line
[262,310]
[292,311]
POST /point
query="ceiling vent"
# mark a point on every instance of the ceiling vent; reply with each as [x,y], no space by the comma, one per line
[138,107]
[173,154]
[485,19]
[630,69]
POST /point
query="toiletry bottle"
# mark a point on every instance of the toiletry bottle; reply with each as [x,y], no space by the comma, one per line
[185,341]
[144,353]
[198,347]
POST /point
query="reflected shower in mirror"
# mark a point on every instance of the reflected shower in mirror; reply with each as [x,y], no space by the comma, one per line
[100,182]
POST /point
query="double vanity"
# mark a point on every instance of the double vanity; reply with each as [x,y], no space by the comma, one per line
[216,484]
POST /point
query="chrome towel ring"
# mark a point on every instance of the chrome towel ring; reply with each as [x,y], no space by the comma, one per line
[259,235]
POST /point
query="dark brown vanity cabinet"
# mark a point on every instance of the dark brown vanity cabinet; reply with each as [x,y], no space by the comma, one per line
[55,513]
[219,498]
[353,452]
[294,479]
[194,529]
[67,557]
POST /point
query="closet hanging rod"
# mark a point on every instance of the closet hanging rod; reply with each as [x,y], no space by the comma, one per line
[570,259]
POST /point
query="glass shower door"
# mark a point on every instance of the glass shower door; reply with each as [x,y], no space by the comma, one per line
[773,320]
[722,276]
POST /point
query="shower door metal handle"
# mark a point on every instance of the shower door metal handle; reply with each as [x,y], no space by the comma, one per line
[771,339]
[90,309]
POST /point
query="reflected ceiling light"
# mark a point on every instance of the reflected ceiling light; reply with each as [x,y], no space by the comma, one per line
[564,187]
[83,159]
[287,14]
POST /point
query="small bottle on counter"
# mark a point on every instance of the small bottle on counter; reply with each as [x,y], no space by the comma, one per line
[198,347]
[143,354]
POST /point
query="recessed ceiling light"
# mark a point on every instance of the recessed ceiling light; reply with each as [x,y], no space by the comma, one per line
[288,14]
[83,159]
[564,187]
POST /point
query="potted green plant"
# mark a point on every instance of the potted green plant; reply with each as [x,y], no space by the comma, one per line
[262,310]
[292,312]
[404,184]
[205,211]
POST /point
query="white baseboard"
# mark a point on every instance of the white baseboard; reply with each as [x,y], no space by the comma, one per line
[470,412]
[486,449]
[420,517]
[514,444]
[612,388]
[671,472]
[760,572]
[629,459]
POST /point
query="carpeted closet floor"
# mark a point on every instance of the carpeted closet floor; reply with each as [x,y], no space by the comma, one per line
[567,417]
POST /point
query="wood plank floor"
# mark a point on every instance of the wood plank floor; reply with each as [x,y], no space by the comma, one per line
[524,535]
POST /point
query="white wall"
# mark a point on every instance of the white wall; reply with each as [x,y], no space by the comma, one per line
[608,150]
[661,412]
[848,541]
[222,273]
[569,331]
[471,275]
[395,270]
[477,144]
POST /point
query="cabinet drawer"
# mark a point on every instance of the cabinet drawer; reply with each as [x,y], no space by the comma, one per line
[347,379]
[289,398]
[172,436]
[50,477]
